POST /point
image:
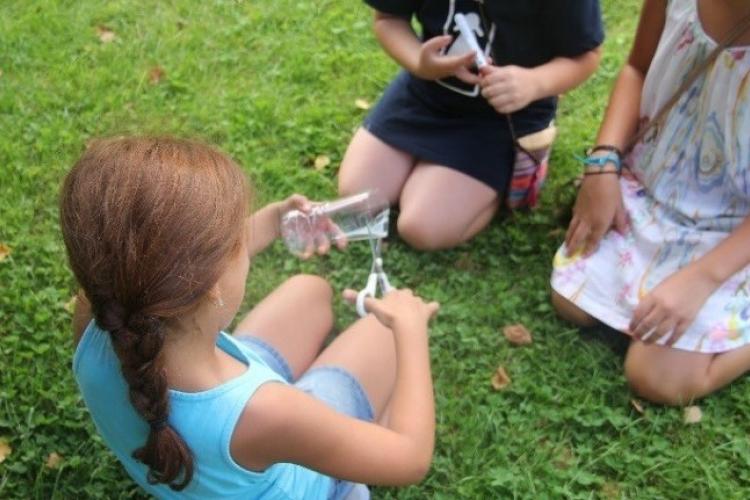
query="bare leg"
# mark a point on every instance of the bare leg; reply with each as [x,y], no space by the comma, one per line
[676,377]
[369,163]
[295,319]
[571,312]
[367,351]
[442,207]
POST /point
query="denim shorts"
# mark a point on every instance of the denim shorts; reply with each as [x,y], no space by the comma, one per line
[332,385]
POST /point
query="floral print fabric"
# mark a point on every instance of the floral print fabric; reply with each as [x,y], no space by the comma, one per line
[687,188]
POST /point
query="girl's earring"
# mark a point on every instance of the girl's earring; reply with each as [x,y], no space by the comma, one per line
[219,302]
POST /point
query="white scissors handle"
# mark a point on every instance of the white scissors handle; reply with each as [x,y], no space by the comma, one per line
[368,291]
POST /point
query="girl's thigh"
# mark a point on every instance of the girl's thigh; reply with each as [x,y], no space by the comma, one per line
[367,351]
[370,163]
[568,311]
[442,207]
[294,320]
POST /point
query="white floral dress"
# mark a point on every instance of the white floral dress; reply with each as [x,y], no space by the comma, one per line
[687,190]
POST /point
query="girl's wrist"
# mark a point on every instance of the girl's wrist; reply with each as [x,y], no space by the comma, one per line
[705,270]
[601,162]
[409,326]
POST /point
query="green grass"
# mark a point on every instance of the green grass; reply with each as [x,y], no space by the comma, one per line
[274,83]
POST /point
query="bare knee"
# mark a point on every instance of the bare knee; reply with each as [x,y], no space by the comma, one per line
[652,382]
[568,311]
[317,291]
[423,235]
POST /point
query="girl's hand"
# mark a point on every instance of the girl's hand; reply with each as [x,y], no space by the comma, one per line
[398,308]
[432,65]
[295,202]
[318,238]
[598,208]
[509,88]
[670,308]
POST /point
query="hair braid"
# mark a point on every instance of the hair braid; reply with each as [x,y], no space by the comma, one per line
[137,340]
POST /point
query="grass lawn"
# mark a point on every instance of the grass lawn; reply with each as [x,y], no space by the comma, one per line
[275,84]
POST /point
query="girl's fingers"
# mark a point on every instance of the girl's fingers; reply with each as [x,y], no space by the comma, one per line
[341,243]
[592,241]
[571,230]
[467,76]
[453,63]
[433,307]
[646,326]
[678,331]
[621,220]
[371,304]
[495,91]
[322,245]
[349,296]
[309,251]
[641,311]
[300,202]
[665,328]
[579,237]
[436,43]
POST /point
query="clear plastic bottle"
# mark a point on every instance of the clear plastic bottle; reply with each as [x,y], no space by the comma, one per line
[358,217]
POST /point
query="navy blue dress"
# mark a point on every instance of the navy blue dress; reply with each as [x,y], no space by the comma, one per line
[448,122]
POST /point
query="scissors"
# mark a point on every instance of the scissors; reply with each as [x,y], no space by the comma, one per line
[377,278]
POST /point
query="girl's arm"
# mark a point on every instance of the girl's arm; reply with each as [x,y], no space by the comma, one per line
[510,88]
[423,60]
[599,207]
[263,227]
[283,424]
[671,307]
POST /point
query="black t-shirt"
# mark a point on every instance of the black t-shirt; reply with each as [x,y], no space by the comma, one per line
[525,33]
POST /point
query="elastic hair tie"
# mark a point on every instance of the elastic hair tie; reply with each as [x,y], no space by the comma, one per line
[158,424]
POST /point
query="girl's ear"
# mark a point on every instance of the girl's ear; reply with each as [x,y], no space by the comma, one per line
[214,296]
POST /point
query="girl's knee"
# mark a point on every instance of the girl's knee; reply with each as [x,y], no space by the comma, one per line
[568,311]
[651,381]
[317,288]
[424,235]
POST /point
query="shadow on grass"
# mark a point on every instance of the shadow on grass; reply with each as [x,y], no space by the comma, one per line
[615,340]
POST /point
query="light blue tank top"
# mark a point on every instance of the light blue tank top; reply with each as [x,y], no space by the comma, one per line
[205,420]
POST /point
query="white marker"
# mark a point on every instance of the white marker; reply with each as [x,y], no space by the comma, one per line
[468,34]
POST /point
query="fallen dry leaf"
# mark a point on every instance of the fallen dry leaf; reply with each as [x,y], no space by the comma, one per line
[517,334]
[610,490]
[362,104]
[322,162]
[692,415]
[565,459]
[70,305]
[53,460]
[105,34]
[5,450]
[4,251]
[500,379]
[156,75]
[637,405]
[464,262]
